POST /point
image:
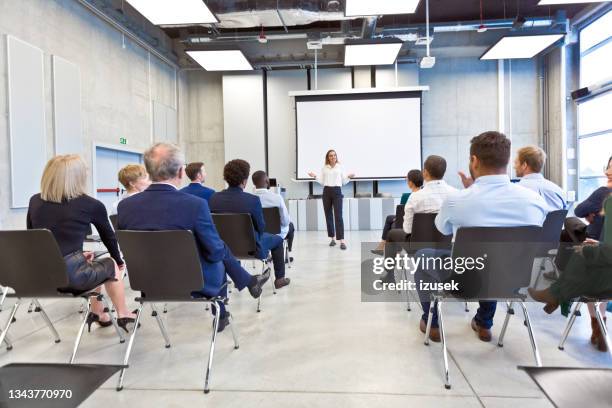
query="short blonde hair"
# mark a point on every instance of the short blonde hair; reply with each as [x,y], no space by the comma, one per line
[131,174]
[64,178]
[533,156]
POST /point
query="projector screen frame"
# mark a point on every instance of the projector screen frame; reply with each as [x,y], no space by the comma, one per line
[369,94]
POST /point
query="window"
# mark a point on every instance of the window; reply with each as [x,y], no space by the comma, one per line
[595,114]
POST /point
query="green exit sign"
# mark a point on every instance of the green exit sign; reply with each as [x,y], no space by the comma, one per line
[123,140]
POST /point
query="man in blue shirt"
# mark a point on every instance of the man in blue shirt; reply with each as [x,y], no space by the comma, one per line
[489,200]
[235,200]
[528,164]
[196,173]
[270,199]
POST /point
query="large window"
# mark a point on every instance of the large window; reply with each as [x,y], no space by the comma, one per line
[595,114]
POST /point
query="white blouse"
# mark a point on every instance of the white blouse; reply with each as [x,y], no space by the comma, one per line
[332,176]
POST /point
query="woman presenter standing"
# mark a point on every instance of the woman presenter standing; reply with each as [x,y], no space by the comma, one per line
[332,178]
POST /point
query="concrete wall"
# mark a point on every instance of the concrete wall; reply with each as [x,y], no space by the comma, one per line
[119,80]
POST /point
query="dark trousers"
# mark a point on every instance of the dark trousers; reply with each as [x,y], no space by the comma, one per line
[388,225]
[574,232]
[484,314]
[274,244]
[290,236]
[332,199]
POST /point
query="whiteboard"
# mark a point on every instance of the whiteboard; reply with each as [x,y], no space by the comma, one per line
[376,135]
[67,107]
[28,153]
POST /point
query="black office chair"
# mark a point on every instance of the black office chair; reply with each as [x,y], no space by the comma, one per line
[509,253]
[272,218]
[399,216]
[113,220]
[162,278]
[238,233]
[547,249]
[40,277]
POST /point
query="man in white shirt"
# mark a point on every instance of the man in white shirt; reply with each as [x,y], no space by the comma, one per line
[528,164]
[269,200]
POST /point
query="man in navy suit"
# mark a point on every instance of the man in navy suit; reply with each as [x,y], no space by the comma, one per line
[163,207]
[196,173]
[235,200]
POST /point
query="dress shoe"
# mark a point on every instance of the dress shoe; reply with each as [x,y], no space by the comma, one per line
[289,260]
[483,334]
[332,243]
[224,321]
[256,289]
[377,252]
[434,332]
[279,283]
[342,246]
[597,338]
[544,296]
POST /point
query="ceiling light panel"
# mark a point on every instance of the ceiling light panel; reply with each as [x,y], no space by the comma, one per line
[371,54]
[379,7]
[526,46]
[174,12]
[221,60]
[551,2]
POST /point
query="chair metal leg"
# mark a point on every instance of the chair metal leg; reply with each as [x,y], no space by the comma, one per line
[429,319]
[534,344]
[10,321]
[165,308]
[236,344]
[408,308]
[263,269]
[447,384]
[211,352]
[45,317]
[570,323]
[160,323]
[128,350]
[467,309]
[3,297]
[541,270]
[8,342]
[77,342]
[31,306]
[113,318]
[502,334]
[602,327]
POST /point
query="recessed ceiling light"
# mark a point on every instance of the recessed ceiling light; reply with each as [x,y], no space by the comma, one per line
[551,2]
[221,60]
[371,54]
[174,12]
[379,7]
[525,46]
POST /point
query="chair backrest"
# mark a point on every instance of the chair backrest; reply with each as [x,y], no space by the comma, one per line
[425,232]
[238,233]
[399,216]
[551,231]
[508,255]
[31,263]
[113,220]
[272,218]
[163,265]
[607,230]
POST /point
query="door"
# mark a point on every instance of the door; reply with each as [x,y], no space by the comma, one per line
[108,163]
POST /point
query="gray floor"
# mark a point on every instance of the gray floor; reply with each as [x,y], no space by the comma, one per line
[315,344]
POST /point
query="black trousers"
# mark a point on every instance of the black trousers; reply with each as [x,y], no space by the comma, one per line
[290,235]
[332,199]
[388,225]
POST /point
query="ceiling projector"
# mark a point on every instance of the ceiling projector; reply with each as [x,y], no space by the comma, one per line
[427,62]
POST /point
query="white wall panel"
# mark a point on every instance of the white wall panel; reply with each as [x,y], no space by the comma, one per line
[26,120]
[67,107]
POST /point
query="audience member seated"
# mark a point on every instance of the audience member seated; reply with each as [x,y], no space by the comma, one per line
[426,200]
[234,200]
[528,164]
[415,182]
[197,174]
[490,200]
[135,179]
[588,273]
[64,208]
[163,207]
[269,200]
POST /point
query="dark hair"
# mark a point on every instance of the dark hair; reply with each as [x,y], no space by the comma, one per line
[236,171]
[327,156]
[435,166]
[416,177]
[259,178]
[193,169]
[492,149]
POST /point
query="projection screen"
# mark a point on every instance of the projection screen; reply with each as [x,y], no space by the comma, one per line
[376,135]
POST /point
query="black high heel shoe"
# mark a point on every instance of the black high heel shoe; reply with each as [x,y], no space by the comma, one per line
[94,318]
[124,321]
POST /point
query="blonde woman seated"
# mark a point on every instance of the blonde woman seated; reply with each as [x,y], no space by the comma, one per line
[135,179]
[66,210]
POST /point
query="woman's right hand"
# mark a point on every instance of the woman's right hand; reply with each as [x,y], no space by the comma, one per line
[313,175]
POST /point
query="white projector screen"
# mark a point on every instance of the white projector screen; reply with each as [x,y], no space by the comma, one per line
[376,135]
